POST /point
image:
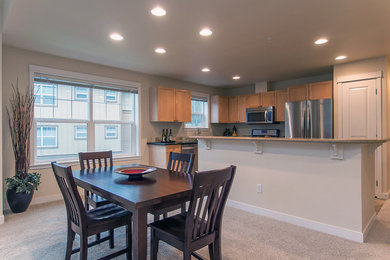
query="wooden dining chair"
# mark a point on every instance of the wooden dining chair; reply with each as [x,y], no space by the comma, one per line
[92,222]
[92,160]
[177,163]
[201,225]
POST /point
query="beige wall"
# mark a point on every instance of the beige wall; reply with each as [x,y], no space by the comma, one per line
[1,126]
[16,65]
[362,67]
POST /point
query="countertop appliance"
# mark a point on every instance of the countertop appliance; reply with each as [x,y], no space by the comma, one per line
[260,115]
[309,119]
[265,132]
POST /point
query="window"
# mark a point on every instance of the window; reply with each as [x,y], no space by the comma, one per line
[45,94]
[80,132]
[199,113]
[110,96]
[111,132]
[90,113]
[81,93]
[46,136]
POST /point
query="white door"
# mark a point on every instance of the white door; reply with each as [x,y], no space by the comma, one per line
[359,117]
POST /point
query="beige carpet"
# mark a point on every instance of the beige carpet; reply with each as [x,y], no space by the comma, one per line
[40,234]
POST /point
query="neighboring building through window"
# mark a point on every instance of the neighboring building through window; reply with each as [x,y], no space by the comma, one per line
[47,136]
[82,116]
[81,93]
[45,94]
[199,113]
[80,132]
[111,131]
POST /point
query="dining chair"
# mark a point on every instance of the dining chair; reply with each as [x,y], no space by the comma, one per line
[87,223]
[177,163]
[91,160]
[201,225]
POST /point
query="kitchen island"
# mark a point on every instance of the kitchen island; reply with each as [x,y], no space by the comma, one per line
[322,184]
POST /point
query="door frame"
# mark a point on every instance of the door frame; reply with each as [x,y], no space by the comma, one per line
[380,163]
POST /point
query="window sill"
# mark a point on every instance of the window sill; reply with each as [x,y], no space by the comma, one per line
[47,165]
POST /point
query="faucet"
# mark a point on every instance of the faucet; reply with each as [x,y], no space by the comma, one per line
[197,132]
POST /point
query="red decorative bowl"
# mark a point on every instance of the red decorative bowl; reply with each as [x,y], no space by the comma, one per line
[135,172]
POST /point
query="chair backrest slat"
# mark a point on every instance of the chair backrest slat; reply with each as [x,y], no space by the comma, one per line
[94,159]
[74,205]
[205,215]
[181,162]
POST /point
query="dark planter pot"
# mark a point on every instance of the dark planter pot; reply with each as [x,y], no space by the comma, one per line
[18,201]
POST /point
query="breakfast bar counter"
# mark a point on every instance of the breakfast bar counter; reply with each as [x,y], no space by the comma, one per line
[322,184]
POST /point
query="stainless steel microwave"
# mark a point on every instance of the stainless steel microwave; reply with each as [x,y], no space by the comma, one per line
[260,115]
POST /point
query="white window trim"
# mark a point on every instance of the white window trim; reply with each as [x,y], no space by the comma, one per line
[42,95]
[123,85]
[110,101]
[202,96]
[56,136]
[80,99]
[75,132]
[110,137]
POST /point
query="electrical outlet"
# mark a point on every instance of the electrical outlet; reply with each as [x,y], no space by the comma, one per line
[259,188]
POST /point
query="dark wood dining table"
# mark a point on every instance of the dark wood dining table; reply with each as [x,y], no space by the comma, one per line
[154,190]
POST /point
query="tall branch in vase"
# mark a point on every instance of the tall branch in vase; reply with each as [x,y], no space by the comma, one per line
[20,124]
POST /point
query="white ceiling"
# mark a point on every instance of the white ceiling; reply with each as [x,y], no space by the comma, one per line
[239,45]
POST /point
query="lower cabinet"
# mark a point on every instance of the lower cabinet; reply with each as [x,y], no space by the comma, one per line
[159,154]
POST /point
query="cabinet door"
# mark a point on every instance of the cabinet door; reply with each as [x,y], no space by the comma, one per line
[253,100]
[297,93]
[241,106]
[320,90]
[166,104]
[233,109]
[281,99]
[219,109]
[182,105]
[268,99]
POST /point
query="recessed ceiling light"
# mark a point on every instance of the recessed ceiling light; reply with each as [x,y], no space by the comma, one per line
[158,11]
[205,32]
[321,41]
[341,57]
[116,36]
[236,77]
[205,69]
[160,50]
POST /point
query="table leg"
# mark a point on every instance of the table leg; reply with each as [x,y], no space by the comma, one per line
[140,238]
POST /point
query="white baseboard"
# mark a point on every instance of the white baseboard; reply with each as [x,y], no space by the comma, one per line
[302,222]
[368,226]
[1,219]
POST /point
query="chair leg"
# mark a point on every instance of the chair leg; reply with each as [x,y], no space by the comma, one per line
[186,255]
[112,238]
[129,241]
[83,247]
[183,208]
[211,251]
[69,243]
[97,237]
[165,215]
[156,217]
[217,247]
[153,245]
[86,195]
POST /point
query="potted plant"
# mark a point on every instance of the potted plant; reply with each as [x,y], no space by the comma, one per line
[21,186]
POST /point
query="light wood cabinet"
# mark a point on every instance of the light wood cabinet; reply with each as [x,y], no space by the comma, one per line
[159,154]
[233,109]
[241,106]
[321,90]
[268,99]
[219,109]
[170,105]
[281,99]
[253,100]
[297,93]
[182,105]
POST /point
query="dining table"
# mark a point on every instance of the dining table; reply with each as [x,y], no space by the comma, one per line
[157,189]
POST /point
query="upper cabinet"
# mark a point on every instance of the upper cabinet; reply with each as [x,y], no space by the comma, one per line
[297,93]
[242,105]
[170,105]
[268,99]
[320,90]
[253,100]
[233,109]
[219,109]
[281,99]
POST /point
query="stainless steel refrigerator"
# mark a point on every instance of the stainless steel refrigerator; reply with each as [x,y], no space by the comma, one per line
[309,119]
